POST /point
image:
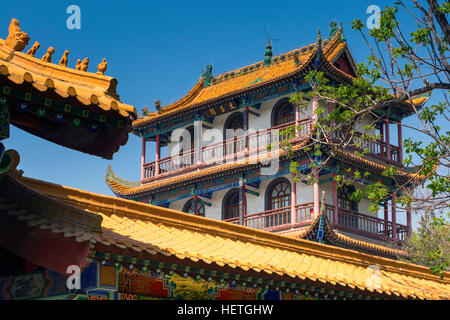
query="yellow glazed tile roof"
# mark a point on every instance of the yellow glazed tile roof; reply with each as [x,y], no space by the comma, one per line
[153,230]
[252,76]
[90,89]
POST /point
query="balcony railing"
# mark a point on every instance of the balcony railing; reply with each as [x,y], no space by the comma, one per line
[379,149]
[228,150]
[347,220]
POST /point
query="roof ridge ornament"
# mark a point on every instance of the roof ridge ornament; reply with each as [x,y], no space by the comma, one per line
[207,76]
[64,58]
[341,32]
[268,53]
[33,49]
[17,39]
[333,29]
[319,50]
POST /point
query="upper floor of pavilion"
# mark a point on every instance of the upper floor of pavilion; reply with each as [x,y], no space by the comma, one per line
[253,103]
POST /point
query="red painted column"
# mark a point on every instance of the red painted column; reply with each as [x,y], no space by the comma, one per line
[143,158]
[316,192]
[297,120]
[394,218]
[246,116]
[293,201]
[408,220]
[315,169]
[196,204]
[198,139]
[386,218]
[244,201]
[335,200]
[400,141]
[158,154]
[388,141]
[382,138]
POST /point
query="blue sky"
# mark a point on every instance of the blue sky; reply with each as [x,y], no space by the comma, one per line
[157,50]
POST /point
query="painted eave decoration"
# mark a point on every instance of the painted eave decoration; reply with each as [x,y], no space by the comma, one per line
[71,107]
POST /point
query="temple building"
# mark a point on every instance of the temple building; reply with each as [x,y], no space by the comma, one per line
[127,249]
[209,172]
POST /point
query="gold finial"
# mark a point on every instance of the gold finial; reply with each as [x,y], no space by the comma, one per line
[48,56]
[102,66]
[33,49]
[17,39]
[84,64]
[78,66]
[64,59]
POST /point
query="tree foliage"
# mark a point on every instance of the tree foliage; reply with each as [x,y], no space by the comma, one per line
[406,59]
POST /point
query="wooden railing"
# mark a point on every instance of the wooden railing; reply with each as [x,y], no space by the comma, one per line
[378,149]
[364,224]
[229,150]
[279,219]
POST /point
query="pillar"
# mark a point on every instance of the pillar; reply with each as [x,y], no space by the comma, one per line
[241,201]
[198,140]
[388,141]
[316,192]
[400,141]
[246,138]
[143,158]
[408,220]
[293,201]
[158,154]
[335,200]
[382,138]
[196,204]
[244,201]
[315,169]
[386,218]
[394,218]
[297,120]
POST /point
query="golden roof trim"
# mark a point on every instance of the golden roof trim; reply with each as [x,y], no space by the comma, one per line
[88,88]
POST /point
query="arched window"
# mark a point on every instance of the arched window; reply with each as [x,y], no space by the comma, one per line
[189,207]
[283,113]
[234,122]
[230,207]
[278,195]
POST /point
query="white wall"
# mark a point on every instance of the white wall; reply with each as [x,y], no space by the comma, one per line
[254,204]
[255,122]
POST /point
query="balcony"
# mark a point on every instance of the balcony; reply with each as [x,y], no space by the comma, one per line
[235,149]
[380,150]
[347,220]
[226,151]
